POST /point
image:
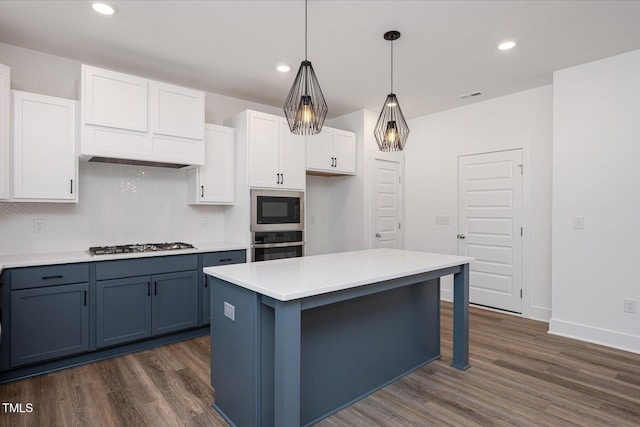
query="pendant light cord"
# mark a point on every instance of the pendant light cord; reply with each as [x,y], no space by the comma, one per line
[305,30]
[391,66]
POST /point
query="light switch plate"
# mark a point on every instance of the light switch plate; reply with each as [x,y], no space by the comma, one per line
[442,220]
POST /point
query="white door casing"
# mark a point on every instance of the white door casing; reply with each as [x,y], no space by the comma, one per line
[387,204]
[490,204]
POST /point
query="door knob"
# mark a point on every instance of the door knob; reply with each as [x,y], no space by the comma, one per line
[461,236]
[378,235]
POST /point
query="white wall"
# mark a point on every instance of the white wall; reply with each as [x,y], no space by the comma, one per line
[118,203]
[431,166]
[595,175]
[338,207]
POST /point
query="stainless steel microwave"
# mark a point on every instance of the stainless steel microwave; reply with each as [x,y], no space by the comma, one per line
[275,210]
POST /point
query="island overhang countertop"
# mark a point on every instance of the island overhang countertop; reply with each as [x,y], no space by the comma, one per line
[294,278]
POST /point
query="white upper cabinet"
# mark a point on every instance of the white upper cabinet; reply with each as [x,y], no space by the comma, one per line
[44,148]
[292,153]
[5,116]
[176,111]
[331,152]
[114,99]
[276,156]
[131,118]
[264,150]
[213,183]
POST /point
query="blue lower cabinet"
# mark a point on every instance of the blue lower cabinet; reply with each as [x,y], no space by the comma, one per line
[49,322]
[174,302]
[123,310]
[139,307]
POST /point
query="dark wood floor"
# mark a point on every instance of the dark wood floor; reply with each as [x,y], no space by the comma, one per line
[520,376]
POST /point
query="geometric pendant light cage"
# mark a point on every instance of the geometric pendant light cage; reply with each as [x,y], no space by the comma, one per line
[305,107]
[391,131]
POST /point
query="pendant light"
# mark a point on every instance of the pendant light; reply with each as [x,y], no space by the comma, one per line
[305,107]
[391,131]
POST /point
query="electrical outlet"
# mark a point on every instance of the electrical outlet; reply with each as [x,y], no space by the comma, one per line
[229,311]
[39,226]
[630,306]
[578,223]
[204,222]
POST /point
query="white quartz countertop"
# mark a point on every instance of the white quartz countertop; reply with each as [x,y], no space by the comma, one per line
[293,278]
[50,258]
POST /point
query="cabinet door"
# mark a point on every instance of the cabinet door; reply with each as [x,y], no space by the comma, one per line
[215,183]
[123,310]
[176,111]
[320,151]
[175,302]
[114,99]
[292,159]
[344,151]
[5,95]
[44,148]
[48,323]
[264,134]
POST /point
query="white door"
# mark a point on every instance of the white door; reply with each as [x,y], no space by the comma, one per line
[216,183]
[386,204]
[320,150]
[490,226]
[176,111]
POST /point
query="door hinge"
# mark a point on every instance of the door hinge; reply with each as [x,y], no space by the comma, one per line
[399,226]
[521,169]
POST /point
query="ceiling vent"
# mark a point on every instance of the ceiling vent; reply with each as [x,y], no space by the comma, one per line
[470,95]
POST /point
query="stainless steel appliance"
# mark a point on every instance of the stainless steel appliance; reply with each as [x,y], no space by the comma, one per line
[268,245]
[275,210]
[138,247]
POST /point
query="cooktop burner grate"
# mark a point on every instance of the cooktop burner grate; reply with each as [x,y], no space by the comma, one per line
[138,247]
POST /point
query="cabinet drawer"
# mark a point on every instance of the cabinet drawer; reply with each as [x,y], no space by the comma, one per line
[221,258]
[145,266]
[50,275]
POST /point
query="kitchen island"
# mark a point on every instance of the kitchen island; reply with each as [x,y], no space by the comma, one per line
[295,340]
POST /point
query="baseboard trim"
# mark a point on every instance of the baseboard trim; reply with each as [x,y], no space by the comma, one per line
[605,337]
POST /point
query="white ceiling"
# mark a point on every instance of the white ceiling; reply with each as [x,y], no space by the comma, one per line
[447,48]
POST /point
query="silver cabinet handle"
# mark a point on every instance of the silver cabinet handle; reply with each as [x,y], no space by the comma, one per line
[461,236]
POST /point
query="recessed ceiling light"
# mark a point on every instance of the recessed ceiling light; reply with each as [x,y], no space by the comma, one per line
[283,68]
[103,8]
[507,45]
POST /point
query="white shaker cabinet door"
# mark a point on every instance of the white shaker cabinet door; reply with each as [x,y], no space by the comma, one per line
[264,155]
[176,111]
[214,181]
[292,159]
[114,99]
[320,150]
[344,151]
[44,148]
[5,96]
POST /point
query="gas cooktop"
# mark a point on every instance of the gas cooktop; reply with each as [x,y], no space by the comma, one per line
[135,248]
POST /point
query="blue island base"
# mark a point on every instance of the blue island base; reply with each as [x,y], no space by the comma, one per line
[348,348]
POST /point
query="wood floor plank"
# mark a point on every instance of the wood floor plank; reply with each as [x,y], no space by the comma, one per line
[520,376]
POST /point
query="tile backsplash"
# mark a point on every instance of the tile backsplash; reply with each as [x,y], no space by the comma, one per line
[118,204]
